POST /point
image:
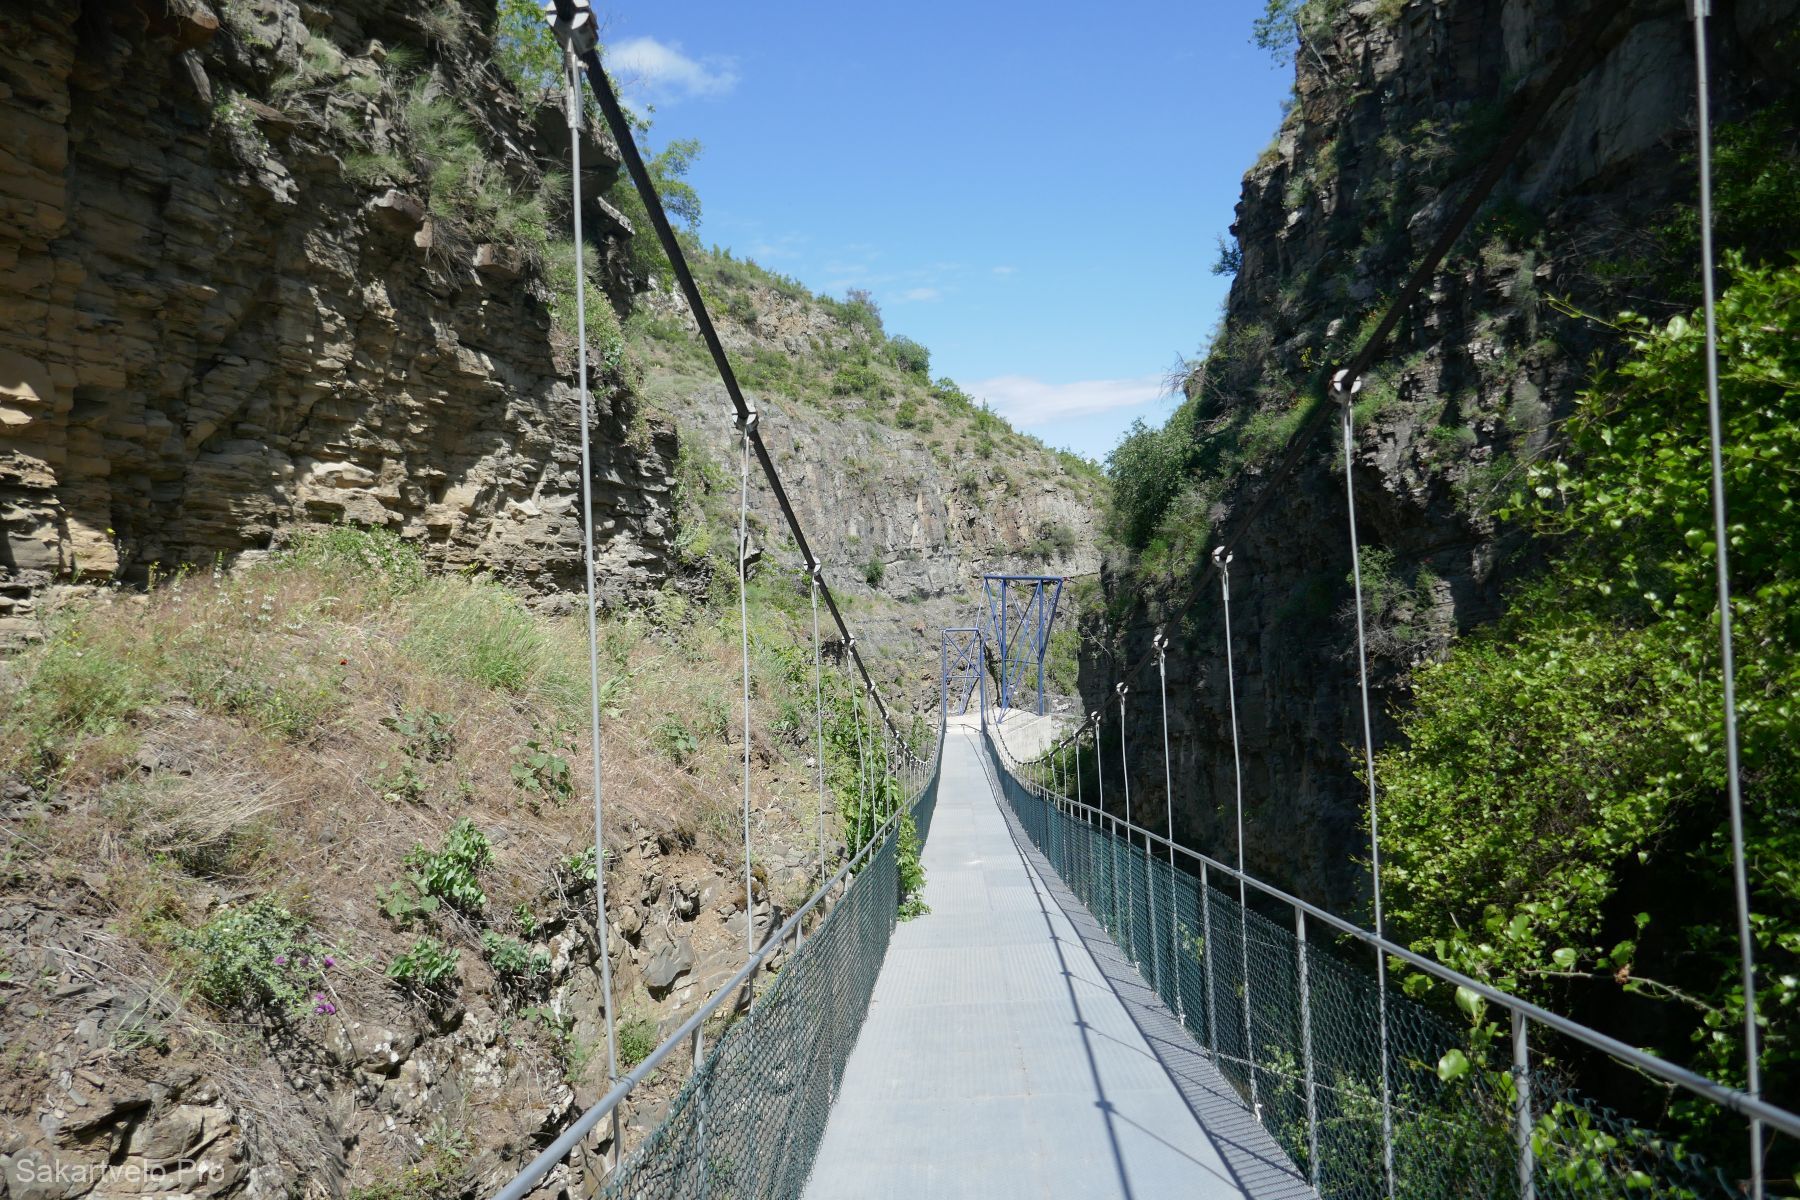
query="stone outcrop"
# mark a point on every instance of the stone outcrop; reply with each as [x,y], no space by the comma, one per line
[211,332]
[1394,105]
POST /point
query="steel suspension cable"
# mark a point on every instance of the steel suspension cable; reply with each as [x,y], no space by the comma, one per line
[620,125]
[1130,846]
[1699,10]
[573,90]
[819,713]
[744,628]
[1346,388]
[1161,644]
[1222,558]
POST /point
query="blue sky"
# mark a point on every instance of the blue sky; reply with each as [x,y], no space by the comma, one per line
[1034,191]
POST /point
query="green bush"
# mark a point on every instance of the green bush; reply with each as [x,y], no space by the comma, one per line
[355,552]
[512,960]
[910,356]
[911,871]
[452,874]
[428,965]
[541,772]
[1555,808]
[1148,469]
[637,1039]
[257,956]
[874,571]
[674,740]
[429,736]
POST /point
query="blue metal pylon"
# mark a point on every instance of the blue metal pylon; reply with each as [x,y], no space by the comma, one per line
[1020,611]
[962,668]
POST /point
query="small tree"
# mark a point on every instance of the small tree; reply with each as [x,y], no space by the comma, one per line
[910,356]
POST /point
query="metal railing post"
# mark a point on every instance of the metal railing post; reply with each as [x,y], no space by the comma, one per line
[1521,1068]
[1206,951]
[1306,1052]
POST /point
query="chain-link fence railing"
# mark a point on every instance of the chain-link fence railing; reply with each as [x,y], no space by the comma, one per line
[1423,1108]
[748,1121]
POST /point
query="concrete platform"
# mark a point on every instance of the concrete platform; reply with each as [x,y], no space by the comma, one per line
[1007,1053]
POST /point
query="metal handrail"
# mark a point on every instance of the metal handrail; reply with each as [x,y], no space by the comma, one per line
[583,1125]
[1725,1097]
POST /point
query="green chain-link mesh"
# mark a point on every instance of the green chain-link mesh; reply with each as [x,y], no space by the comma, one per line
[1234,978]
[749,1121]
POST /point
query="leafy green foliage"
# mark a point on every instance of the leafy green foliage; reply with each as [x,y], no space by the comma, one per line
[428,965]
[668,169]
[542,772]
[911,871]
[1554,769]
[257,956]
[1274,31]
[429,736]
[874,571]
[910,356]
[512,960]
[1148,469]
[674,740]
[636,1039]
[452,873]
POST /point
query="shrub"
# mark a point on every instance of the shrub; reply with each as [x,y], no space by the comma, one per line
[674,740]
[859,379]
[637,1039]
[910,356]
[874,571]
[512,960]
[258,956]
[1567,769]
[1230,260]
[428,965]
[911,871]
[452,873]
[541,772]
[1148,469]
[428,735]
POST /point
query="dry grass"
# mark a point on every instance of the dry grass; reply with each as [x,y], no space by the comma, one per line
[241,735]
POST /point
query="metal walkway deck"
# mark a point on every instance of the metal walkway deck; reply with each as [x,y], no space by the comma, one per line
[1011,1051]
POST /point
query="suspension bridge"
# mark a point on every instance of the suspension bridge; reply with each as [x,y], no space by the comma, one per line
[1090,1008]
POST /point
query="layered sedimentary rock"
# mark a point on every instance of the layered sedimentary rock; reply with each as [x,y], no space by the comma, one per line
[210,332]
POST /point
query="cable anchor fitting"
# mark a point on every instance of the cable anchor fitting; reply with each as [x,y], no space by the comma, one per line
[572,21]
[746,420]
[1344,386]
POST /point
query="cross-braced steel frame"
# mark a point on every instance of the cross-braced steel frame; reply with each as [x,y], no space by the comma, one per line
[1020,611]
[960,658]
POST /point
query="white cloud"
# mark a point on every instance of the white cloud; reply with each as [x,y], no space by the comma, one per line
[1026,401]
[662,70]
[921,294]
[1006,270]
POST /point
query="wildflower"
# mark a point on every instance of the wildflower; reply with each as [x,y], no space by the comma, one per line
[281,960]
[330,961]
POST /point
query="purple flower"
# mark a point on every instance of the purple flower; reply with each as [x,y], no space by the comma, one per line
[330,961]
[281,960]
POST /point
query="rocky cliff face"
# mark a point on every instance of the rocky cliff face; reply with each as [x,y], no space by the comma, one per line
[1394,105]
[905,498]
[216,328]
